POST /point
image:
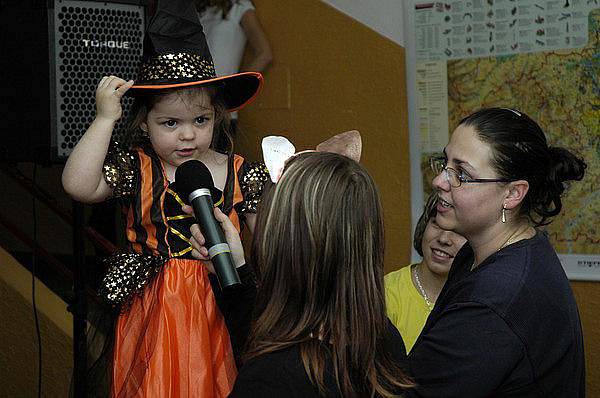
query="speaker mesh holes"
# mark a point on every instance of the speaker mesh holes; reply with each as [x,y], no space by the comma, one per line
[89,41]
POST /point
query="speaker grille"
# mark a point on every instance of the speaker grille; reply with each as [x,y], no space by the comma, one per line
[91,40]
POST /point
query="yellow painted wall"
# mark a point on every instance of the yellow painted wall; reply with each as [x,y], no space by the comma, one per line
[331,74]
[18,340]
[587,295]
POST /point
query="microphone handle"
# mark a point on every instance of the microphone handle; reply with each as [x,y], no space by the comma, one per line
[218,248]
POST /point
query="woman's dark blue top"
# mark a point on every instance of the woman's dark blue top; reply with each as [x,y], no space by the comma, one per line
[509,328]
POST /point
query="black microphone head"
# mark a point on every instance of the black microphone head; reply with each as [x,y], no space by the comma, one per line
[192,175]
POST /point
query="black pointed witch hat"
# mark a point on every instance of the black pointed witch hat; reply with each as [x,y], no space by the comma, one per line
[176,55]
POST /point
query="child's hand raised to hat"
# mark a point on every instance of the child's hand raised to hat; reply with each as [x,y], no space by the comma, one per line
[108,97]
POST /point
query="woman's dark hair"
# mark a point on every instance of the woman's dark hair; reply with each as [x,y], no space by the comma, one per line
[144,103]
[224,5]
[428,212]
[319,262]
[521,152]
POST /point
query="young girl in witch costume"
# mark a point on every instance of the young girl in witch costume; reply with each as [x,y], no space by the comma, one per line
[170,336]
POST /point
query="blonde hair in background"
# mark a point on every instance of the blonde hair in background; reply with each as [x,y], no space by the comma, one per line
[318,251]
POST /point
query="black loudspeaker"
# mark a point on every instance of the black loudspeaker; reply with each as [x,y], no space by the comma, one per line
[52,56]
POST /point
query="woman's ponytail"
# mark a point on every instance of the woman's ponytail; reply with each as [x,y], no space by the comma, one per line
[564,167]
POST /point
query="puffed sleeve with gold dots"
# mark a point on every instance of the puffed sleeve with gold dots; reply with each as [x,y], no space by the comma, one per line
[253,177]
[121,170]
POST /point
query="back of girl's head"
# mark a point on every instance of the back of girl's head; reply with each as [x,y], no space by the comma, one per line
[521,152]
[319,238]
[192,96]
[318,250]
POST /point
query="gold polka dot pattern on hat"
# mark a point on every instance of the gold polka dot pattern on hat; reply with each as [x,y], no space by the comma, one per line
[176,67]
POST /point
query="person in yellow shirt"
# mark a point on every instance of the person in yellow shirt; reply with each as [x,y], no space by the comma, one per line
[411,291]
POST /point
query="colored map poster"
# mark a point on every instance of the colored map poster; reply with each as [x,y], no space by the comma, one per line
[545,61]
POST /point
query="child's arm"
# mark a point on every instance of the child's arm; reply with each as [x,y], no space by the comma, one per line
[82,176]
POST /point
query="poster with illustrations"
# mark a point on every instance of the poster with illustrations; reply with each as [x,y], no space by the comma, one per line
[542,57]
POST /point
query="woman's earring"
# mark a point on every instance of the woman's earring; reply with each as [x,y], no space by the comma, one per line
[504,213]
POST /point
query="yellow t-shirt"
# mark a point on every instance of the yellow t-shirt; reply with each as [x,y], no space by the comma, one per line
[406,308]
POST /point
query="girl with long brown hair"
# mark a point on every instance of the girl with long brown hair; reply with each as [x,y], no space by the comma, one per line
[320,326]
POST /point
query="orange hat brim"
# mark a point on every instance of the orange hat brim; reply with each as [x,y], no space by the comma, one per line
[239,89]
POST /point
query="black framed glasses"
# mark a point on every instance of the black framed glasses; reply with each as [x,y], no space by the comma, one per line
[439,165]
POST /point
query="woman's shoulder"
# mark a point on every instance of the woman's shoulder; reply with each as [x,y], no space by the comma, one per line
[512,263]
[508,274]
[530,265]
[281,357]
[273,373]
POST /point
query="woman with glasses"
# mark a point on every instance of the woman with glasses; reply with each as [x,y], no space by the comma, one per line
[506,322]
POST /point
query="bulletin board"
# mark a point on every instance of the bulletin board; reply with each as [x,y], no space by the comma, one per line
[542,57]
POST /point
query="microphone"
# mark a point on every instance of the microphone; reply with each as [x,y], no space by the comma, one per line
[195,184]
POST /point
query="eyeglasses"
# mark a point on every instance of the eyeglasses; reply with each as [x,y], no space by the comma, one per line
[439,165]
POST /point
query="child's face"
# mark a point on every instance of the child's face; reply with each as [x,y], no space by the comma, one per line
[181,127]
[440,247]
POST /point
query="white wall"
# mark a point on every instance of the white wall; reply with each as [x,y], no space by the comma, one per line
[383,16]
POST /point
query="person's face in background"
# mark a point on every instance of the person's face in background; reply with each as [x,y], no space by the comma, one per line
[472,207]
[439,247]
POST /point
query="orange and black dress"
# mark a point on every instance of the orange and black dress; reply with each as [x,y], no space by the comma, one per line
[171,338]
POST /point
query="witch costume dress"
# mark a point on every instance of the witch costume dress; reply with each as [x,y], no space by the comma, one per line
[171,338]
